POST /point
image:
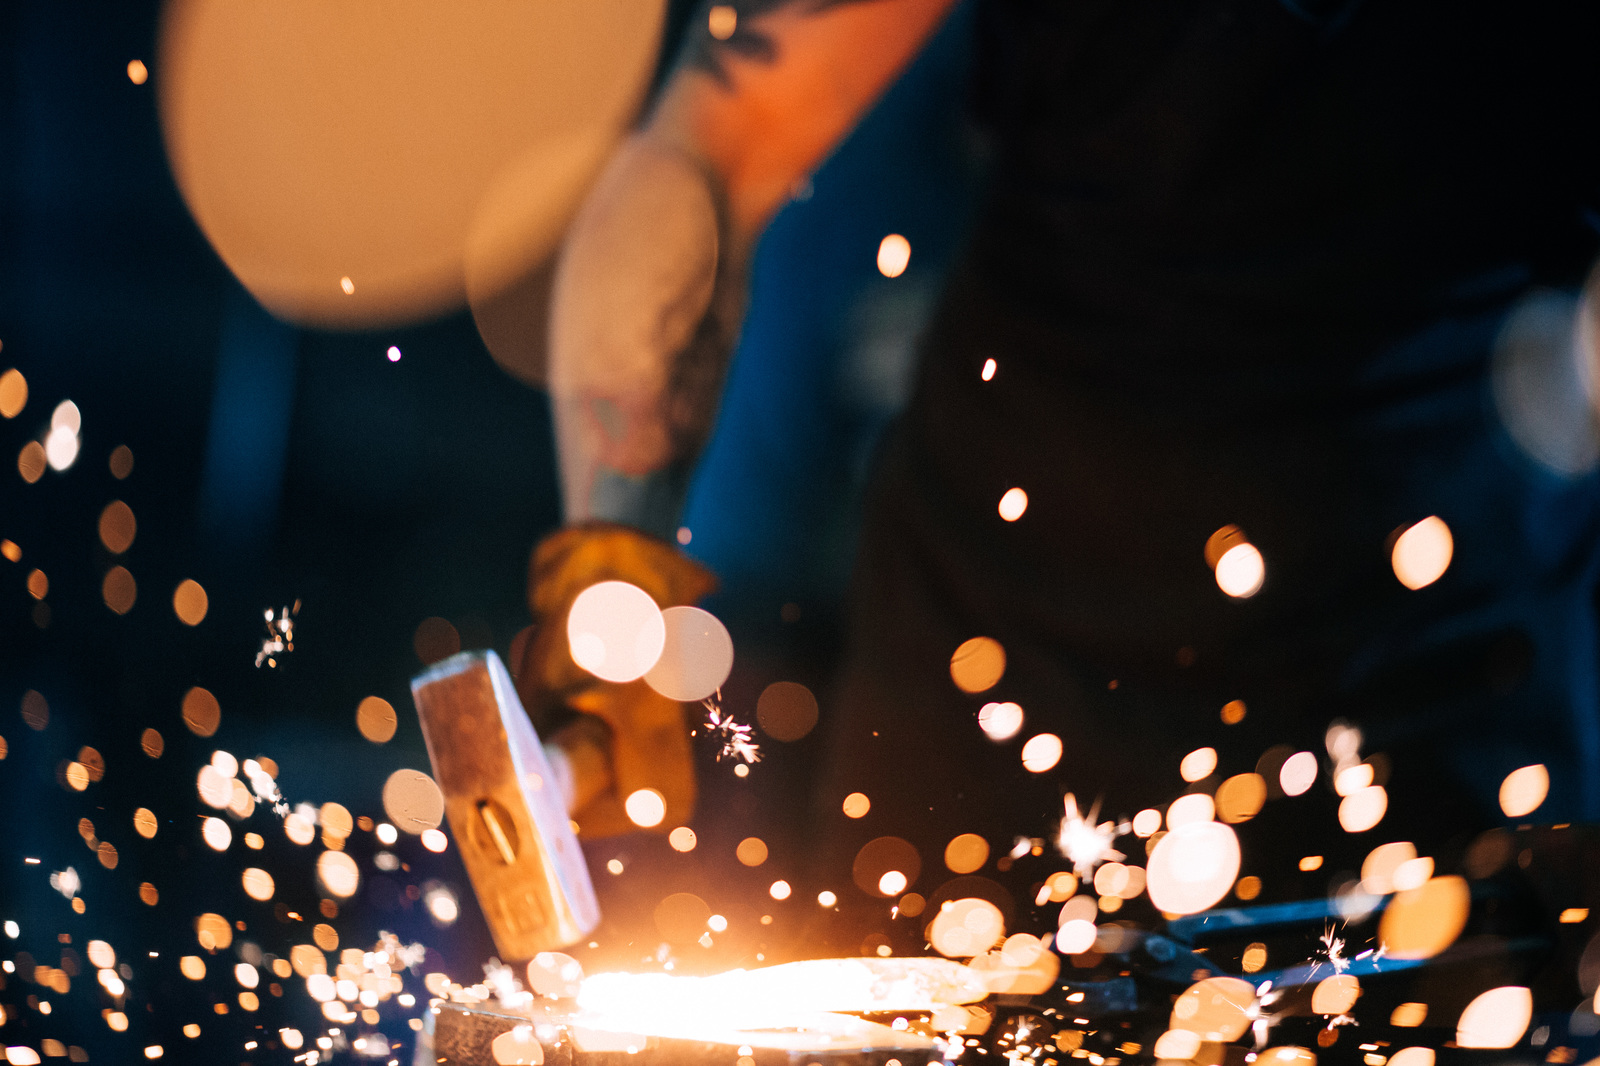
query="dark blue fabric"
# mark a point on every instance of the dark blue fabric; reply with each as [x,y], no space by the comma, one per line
[1235,269]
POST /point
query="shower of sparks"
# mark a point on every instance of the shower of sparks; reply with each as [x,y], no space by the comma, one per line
[1086,844]
[265,788]
[503,983]
[1332,952]
[280,635]
[735,737]
[404,956]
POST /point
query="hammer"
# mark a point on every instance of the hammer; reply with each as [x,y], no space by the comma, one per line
[507,798]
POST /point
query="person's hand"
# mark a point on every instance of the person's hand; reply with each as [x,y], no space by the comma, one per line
[617,738]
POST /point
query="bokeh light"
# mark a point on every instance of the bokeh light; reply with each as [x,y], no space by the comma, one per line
[201,712]
[1413,873]
[696,656]
[978,664]
[681,917]
[35,710]
[213,932]
[615,631]
[552,973]
[1299,773]
[1421,922]
[1524,790]
[1192,867]
[1412,1056]
[1041,753]
[779,890]
[1241,571]
[338,873]
[299,829]
[215,788]
[1177,1045]
[966,853]
[412,801]
[435,639]
[645,807]
[443,907]
[296,161]
[1198,764]
[189,602]
[1421,553]
[119,590]
[894,255]
[752,851]
[1075,937]
[1335,994]
[13,393]
[1363,809]
[856,805]
[1353,779]
[1409,1015]
[517,1046]
[117,527]
[881,856]
[1241,798]
[682,839]
[1216,1009]
[786,710]
[1495,1019]
[376,719]
[1190,809]
[1146,821]
[1379,867]
[258,884]
[216,834]
[1000,721]
[966,927]
[1013,504]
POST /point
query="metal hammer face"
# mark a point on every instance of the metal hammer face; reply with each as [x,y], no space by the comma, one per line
[506,807]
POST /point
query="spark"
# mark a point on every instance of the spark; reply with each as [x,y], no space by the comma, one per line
[1333,951]
[280,635]
[265,788]
[66,882]
[405,956]
[1085,843]
[502,981]
[736,737]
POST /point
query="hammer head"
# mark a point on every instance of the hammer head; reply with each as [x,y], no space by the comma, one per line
[505,807]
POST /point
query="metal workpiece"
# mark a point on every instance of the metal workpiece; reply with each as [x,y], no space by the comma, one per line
[458,1034]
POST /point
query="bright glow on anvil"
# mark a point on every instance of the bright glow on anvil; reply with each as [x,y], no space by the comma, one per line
[787,1006]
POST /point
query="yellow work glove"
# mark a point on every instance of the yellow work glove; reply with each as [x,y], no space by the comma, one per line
[618,738]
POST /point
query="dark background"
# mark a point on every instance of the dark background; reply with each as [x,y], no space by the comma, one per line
[275,464]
